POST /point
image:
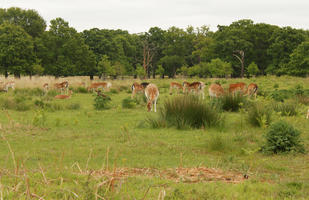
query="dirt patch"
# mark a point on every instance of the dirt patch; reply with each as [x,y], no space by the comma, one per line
[187,175]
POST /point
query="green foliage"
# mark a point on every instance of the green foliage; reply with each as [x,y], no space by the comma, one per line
[253,69]
[299,61]
[39,118]
[233,103]
[160,70]
[101,102]
[218,67]
[286,109]
[188,111]
[80,90]
[128,103]
[259,115]
[299,90]
[140,72]
[283,137]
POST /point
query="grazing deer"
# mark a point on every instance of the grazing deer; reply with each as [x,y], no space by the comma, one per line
[174,85]
[237,87]
[63,96]
[185,86]
[45,87]
[102,85]
[152,94]
[197,88]
[7,85]
[138,88]
[215,90]
[252,90]
[307,114]
[64,86]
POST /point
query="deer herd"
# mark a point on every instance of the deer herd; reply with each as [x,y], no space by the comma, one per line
[151,91]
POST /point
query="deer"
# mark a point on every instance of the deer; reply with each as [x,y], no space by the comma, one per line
[64,86]
[185,86]
[138,88]
[215,90]
[63,96]
[196,87]
[252,90]
[152,94]
[7,85]
[102,85]
[174,85]
[237,87]
[45,87]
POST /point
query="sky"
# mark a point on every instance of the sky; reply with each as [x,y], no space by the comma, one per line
[138,16]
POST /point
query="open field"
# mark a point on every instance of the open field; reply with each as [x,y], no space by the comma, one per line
[68,150]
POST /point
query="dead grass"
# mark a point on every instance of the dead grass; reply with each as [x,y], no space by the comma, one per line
[181,174]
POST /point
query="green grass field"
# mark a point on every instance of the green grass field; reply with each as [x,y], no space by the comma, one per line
[69,150]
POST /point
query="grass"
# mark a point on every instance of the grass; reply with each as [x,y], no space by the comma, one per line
[59,154]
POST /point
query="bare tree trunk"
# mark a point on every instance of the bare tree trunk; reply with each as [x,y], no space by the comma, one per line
[241,58]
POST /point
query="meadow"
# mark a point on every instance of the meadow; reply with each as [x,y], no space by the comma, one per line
[66,149]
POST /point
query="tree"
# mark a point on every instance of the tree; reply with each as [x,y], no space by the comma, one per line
[140,72]
[299,61]
[283,42]
[253,69]
[160,71]
[218,67]
[63,51]
[16,50]
[104,67]
[29,20]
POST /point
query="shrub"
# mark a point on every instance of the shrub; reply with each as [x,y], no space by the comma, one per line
[283,137]
[80,90]
[302,99]
[128,103]
[280,95]
[39,118]
[259,115]
[101,102]
[188,111]
[299,90]
[286,109]
[232,103]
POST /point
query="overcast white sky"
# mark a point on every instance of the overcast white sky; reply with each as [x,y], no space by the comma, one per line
[139,15]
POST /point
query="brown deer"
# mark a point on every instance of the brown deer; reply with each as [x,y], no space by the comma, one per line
[185,86]
[138,88]
[215,90]
[237,87]
[152,94]
[197,88]
[97,86]
[176,86]
[64,86]
[63,96]
[252,90]
[45,87]
[7,85]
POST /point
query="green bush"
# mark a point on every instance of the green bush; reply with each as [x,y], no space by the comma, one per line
[283,137]
[231,102]
[259,115]
[187,111]
[281,95]
[286,109]
[101,102]
[128,103]
[80,90]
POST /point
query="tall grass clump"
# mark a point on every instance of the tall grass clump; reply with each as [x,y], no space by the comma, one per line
[187,111]
[286,109]
[80,90]
[128,103]
[259,115]
[283,137]
[232,103]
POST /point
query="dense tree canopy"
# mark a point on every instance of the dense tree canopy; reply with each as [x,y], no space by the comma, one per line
[26,47]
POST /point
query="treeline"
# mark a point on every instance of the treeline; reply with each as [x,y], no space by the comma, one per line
[243,48]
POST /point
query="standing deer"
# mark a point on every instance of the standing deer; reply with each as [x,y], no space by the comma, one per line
[215,90]
[152,94]
[174,85]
